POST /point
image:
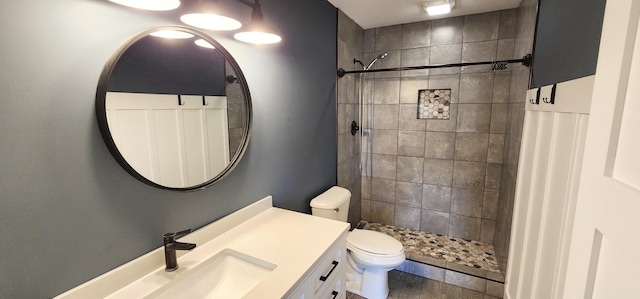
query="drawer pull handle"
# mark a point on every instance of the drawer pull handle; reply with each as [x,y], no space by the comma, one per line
[335,264]
[335,294]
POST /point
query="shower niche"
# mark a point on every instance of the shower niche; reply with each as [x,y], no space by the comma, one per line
[434,103]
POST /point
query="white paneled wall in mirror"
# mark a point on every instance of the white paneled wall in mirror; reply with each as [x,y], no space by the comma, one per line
[176,141]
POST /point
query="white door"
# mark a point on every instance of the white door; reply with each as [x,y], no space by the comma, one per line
[604,261]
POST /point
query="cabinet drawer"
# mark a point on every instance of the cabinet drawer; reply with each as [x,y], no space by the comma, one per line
[334,289]
[302,292]
[332,265]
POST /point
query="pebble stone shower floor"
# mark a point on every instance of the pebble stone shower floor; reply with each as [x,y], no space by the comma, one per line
[455,250]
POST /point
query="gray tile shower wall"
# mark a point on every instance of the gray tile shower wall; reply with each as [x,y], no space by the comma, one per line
[523,44]
[436,175]
[350,46]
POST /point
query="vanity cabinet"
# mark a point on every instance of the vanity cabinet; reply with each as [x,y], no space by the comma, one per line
[327,279]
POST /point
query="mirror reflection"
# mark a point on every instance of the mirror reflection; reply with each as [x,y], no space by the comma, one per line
[174,110]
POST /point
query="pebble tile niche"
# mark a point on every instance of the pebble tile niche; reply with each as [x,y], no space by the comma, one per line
[455,250]
[434,103]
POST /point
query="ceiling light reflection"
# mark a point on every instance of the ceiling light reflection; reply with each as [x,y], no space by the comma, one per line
[203,43]
[150,4]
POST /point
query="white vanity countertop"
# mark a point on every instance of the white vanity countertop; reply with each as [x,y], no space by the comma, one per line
[291,240]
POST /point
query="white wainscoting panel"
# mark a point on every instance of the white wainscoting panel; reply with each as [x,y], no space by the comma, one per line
[546,191]
[170,144]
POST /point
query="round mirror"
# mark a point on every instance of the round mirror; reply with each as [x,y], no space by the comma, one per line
[174,109]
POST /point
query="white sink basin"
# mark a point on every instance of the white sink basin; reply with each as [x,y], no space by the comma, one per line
[229,274]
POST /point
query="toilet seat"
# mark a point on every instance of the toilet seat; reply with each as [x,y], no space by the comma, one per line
[374,242]
[372,248]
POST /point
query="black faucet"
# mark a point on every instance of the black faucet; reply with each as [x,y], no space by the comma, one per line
[170,247]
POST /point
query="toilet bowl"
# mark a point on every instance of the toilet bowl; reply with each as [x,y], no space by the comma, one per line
[371,255]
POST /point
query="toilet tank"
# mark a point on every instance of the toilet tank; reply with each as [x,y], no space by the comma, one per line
[332,204]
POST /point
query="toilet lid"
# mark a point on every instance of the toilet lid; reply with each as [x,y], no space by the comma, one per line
[373,242]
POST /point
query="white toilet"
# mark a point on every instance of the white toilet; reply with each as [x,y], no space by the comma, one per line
[371,255]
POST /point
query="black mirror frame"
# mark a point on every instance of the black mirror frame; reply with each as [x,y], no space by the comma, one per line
[101,113]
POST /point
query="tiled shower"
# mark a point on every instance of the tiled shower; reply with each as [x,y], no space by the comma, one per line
[438,175]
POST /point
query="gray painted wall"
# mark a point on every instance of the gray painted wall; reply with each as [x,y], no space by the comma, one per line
[567,40]
[68,211]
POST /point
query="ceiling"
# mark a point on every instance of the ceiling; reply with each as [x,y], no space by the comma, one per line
[379,13]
